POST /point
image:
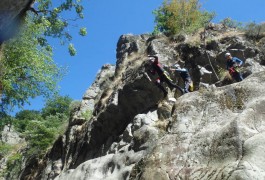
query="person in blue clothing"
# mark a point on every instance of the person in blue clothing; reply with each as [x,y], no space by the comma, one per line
[185,75]
[163,75]
[232,65]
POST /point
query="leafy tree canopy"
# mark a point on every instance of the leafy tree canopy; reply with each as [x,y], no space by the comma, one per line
[56,105]
[55,15]
[175,16]
[28,114]
[27,69]
[41,128]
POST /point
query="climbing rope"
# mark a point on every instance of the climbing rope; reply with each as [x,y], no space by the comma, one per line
[204,39]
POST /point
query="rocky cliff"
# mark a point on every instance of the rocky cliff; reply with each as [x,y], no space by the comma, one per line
[216,132]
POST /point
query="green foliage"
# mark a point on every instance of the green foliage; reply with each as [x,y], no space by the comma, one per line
[57,122]
[4,120]
[58,104]
[176,16]
[71,49]
[27,69]
[255,31]
[57,16]
[13,162]
[41,128]
[41,133]
[23,117]
[74,106]
[86,115]
[230,23]
[83,32]
[39,136]
[4,149]
[27,114]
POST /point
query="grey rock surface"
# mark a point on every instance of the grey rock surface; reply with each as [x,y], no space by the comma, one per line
[215,132]
[9,136]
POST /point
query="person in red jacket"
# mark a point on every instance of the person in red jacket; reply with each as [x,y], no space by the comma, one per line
[163,76]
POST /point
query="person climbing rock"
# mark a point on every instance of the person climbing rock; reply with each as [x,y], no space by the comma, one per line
[185,75]
[163,75]
[232,65]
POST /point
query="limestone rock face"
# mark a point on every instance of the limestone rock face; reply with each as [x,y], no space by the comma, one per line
[95,91]
[216,132]
[9,136]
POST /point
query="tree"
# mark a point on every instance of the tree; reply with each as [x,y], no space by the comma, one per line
[4,120]
[27,114]
[58,20]
[23,117]
[56,105]
[176,16]
[39,136]
[27,69]
[255,31]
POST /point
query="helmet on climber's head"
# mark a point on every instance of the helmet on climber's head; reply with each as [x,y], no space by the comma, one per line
[227,55]
[153,58]
[177,66]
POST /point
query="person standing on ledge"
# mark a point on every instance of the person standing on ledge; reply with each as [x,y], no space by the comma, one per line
[232,65]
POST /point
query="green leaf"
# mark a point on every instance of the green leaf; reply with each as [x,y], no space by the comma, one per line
[72,50]
[83,32]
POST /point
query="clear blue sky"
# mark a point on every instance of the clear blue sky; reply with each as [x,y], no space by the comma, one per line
[107,20]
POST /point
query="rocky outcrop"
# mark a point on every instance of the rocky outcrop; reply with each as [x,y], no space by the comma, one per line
[212,133]
[12,140]
[215,134]
[9,136]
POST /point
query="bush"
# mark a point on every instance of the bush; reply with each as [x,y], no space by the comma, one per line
[22,119]
[229,23]
[41,128]
[12,159]
[58,104]
[5,149]
[13,166]
[176,16]
[74,106]
[40,132]
[255,31]
[28,114]
[39,136]
[86,115]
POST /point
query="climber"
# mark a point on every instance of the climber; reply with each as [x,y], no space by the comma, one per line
[232,65]
[163,75]
[185,75]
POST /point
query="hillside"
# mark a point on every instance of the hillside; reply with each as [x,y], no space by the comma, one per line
[215,132]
